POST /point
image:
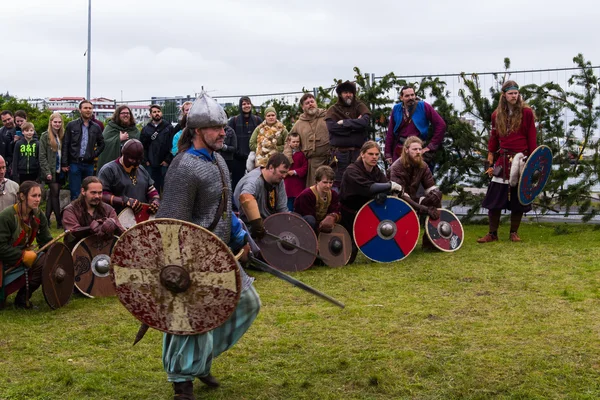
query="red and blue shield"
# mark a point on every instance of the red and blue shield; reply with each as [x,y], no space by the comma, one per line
[386,232]
[535,174]
[446,233]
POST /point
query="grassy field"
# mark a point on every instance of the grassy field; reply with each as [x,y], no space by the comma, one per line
[502,320]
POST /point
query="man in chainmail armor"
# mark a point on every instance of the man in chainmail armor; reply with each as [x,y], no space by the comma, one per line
[198,190]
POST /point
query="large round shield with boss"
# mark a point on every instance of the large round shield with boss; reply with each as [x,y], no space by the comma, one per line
[535,174]
[386,232]
[288,228]
[91,260]
[335,248]
[128,218]
[175,276]
[58,276]
[446,233]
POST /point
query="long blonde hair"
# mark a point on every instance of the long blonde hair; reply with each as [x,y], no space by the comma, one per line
[60,133]
[507,122]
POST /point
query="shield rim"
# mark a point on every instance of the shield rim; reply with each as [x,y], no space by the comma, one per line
[123,211]
[71,275]
[519,191]
[181,222]
[416,241]
[308,229]
[81,291]
[346,235]
[433,242]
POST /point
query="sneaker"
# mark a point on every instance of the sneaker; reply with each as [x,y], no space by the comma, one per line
[209,381]
[514,237]
[488,238]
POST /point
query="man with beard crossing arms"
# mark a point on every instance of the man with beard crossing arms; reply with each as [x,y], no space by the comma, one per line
[413,118]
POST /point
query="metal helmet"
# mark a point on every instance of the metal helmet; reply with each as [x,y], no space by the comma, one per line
[206,112]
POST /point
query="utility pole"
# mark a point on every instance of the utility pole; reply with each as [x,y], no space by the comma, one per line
[89,48]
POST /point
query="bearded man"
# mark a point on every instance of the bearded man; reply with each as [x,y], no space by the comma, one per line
[88,210]
[126,183]
[513,137]
[412,117]
[198,190]
[347,122]
[120,129]
[156,137]
[314,136]
[410,171]
[8,189]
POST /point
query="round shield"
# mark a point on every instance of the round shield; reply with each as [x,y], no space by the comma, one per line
[57,276]
[535,174]
[175,276]
[289,228]
[335,248]
[91,261]
[128,218]
[446,233]
[386,232]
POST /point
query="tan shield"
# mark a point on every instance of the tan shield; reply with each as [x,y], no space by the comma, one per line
[91,261]
[335,248]
[57,276]
[175,276]
[128,218]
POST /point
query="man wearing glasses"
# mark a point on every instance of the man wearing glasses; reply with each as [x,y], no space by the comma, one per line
[82,143]
[118,130]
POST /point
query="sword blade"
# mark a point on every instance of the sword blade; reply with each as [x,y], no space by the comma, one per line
[299,284]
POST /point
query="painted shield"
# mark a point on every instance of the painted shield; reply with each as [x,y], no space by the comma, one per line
[91,261]
[535,174]
[446,233]
[386,232]
[128,218]
[335,248]
[291,228]
[58,276]
[175,276]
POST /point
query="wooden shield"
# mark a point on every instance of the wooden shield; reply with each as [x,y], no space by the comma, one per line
[291,228]
[128,218]
[446,233]
[58,276]
[91,261]
[175,276]
[535,174]
[386,232]
[335,248]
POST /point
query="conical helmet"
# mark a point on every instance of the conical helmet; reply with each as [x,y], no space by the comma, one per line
[206,112]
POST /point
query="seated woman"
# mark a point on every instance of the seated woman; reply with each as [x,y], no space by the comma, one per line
[318,204]
[20,225]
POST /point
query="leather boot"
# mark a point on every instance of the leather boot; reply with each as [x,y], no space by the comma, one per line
[488,238]
[209,381]
[184,390]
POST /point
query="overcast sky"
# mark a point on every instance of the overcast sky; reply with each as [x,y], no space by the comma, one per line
[168,48]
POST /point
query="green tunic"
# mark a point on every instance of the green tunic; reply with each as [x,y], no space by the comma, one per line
[112,142]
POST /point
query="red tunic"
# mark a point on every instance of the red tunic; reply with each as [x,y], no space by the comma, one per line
[522,141]
[295,184]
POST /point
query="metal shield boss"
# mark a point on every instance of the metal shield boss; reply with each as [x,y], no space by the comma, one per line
[290,228]
[91,261]
[535,174]
[335,248]
[175,276]
[58,276]
[446,233]
[386,232]
[128,218]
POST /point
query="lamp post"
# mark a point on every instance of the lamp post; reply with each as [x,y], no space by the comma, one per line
[89,48]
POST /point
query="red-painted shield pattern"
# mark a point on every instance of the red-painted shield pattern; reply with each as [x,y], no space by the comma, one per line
[446,233]
[386,232]
[175,276]
[91,260]
[128,218]
[291,228]
[58,276]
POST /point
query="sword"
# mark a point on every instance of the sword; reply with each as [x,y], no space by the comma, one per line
[267,268]
[287,243]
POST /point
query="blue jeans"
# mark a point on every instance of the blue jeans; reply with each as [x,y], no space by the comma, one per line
[290,203]
[77,173]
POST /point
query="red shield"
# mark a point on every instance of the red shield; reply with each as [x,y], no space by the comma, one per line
[446,233]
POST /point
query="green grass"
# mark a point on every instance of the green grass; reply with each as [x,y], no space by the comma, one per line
[501,320]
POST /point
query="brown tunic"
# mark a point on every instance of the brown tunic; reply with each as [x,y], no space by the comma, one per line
[314,141]
[410,178]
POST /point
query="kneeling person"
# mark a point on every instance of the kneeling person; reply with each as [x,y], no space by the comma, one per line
[318,204]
